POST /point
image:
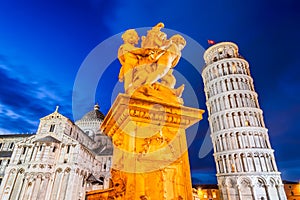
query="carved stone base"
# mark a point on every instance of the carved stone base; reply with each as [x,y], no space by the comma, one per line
[150,159]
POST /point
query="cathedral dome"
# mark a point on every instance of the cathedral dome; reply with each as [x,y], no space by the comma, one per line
[91,121]
[94,115]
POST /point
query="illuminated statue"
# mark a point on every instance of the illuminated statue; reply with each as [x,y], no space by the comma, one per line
[168,59]
[147,124]
[169,80]
[128,56]
[143,68]
[155,39]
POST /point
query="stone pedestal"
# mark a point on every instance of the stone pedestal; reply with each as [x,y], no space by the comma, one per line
[150,159]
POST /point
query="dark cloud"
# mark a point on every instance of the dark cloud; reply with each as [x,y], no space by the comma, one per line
[23,102]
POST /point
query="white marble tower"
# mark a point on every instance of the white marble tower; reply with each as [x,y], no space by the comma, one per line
[246,167]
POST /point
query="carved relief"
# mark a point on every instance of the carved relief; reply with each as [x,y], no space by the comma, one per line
[119,183]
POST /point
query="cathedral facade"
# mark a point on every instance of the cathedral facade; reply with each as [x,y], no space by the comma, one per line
[245,162]
[62,160]
[7,144]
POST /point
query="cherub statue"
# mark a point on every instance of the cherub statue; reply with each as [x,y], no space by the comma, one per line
[168,59]
[169,80]
[129,56]
[143,68]
[161,68]
[154,45]
[155,39]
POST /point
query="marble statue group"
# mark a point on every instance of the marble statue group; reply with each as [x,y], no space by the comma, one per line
[150,66]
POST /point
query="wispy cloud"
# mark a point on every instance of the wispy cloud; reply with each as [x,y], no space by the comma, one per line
[24,99]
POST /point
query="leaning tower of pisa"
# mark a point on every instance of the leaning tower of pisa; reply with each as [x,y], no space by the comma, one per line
[246,167]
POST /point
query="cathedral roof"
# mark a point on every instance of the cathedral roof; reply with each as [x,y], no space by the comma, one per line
[93,115]
[92,179]
[55,114]
[48,139]
[103,151]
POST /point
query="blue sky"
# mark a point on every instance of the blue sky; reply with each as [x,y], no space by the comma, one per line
[44,43]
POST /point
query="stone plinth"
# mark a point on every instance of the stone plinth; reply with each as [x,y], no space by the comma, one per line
[150,159]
